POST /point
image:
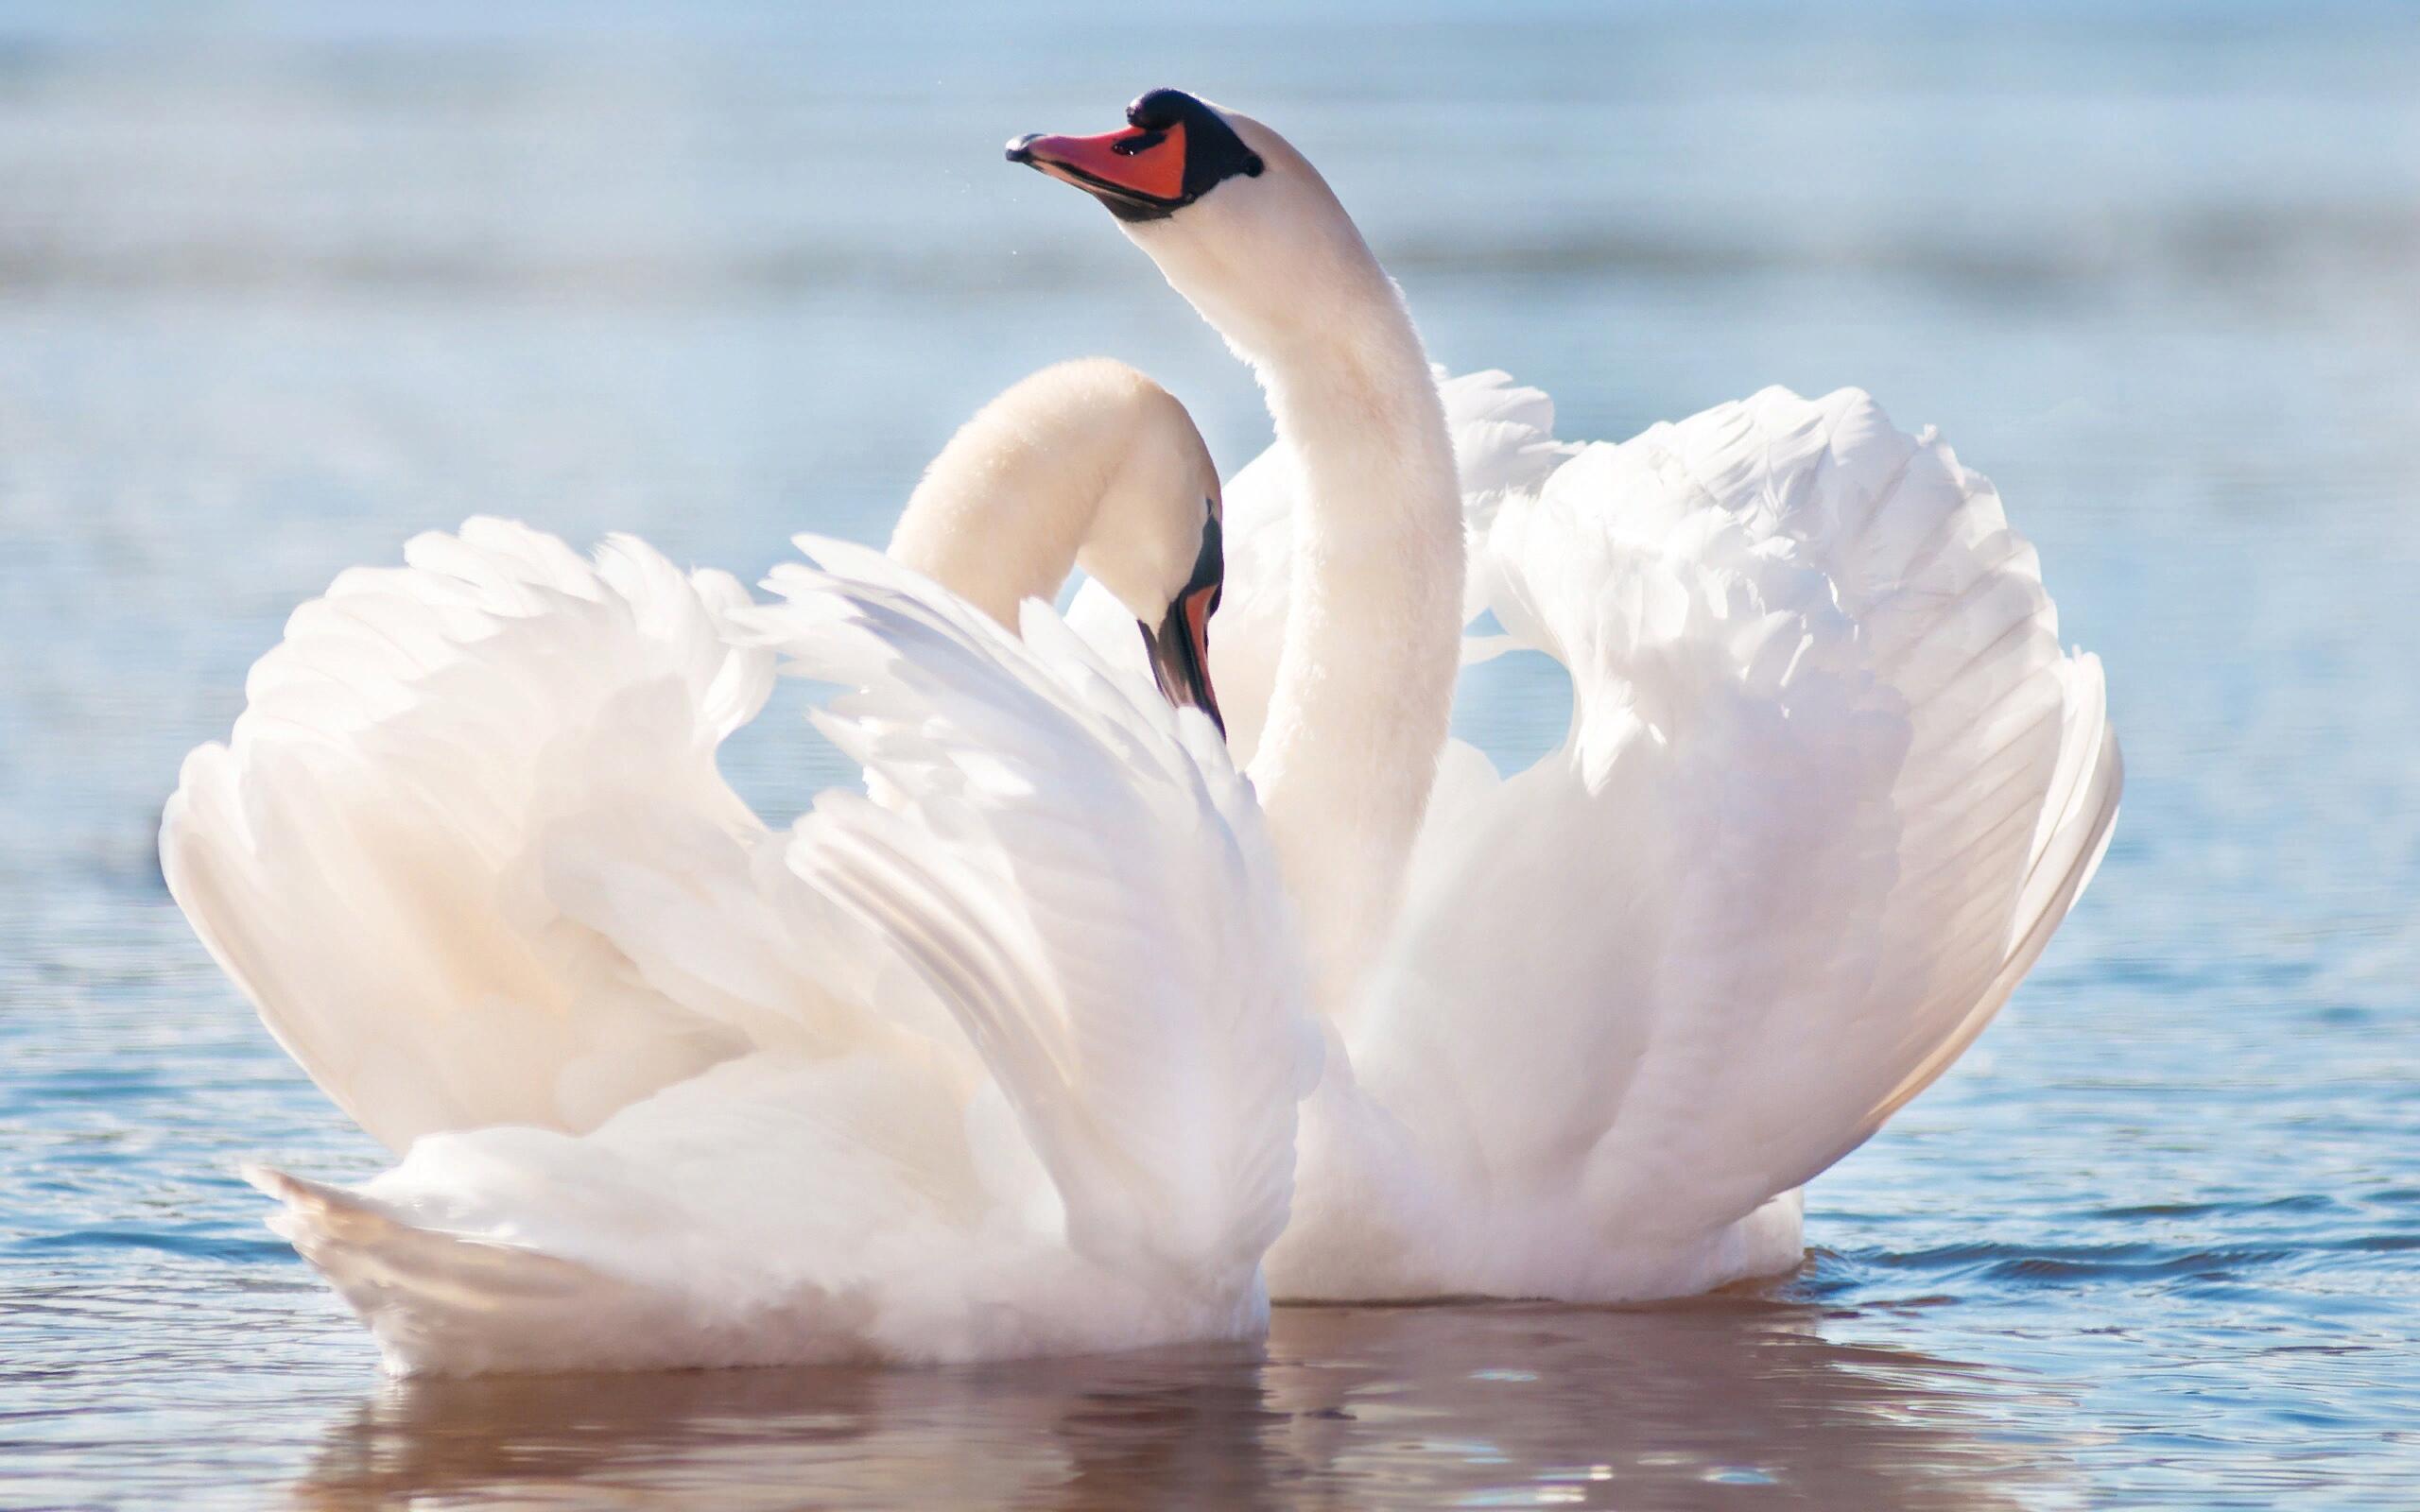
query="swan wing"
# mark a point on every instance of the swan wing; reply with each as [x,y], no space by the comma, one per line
[1080,875]
[467,850]
[1829,785]
[1504,447]
[1094,1150]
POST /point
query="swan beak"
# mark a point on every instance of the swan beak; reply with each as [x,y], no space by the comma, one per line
[1180,651]
[1180,648]
[1136,172]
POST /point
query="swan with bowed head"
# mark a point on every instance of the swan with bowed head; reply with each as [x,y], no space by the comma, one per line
[999,1057]
[1004,1055]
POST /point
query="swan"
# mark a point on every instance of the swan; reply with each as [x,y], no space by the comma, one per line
[1829,782]
[999,1058]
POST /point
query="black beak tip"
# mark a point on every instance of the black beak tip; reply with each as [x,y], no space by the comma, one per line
[1176,667]
[1020,149]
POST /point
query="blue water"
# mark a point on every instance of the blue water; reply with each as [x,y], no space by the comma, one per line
[280,287]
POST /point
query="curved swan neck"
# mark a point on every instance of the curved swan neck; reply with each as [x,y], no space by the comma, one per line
[1001,512]
[1365,678]
[1022,491]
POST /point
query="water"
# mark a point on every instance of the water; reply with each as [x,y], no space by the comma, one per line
[279,289]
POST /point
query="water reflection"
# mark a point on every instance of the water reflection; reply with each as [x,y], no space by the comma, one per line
[1481,1406]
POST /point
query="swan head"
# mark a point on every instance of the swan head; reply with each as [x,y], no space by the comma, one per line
[1238,221]
[1155,540]
[1086,464]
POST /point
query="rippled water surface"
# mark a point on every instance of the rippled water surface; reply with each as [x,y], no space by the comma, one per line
[278,290]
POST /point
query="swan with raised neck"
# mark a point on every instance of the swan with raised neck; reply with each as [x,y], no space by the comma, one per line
[1084,464]
[1246,229]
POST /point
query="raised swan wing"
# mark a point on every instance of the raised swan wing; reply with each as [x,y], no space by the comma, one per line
[1828,787]
[1088,1145]
[390,852]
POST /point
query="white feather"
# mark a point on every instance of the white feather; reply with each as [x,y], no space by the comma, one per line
[370,855]
[1006,1066]
[1828,787]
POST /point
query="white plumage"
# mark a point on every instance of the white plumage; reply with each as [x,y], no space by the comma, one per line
[1004,1056]
[1828,787]
[1004,1064]
[1829,783]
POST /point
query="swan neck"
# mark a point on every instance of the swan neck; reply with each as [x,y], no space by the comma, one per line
[1003,511]
[954,535]
[1363,696]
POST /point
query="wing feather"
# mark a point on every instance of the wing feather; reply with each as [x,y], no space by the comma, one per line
[1831,785]
[1080,875]
[391,853]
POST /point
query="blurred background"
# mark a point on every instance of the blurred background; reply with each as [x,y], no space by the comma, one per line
[282,284]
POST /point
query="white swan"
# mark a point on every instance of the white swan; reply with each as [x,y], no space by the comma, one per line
[1003,1063]
[1828,787]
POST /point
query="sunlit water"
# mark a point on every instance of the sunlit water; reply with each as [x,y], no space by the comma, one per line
[272,298]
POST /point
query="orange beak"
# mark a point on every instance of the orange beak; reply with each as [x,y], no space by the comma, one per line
[1134,166]
[1180,653]
[1178,647]
[1173,151]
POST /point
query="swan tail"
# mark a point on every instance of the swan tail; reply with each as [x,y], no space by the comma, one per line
[1831,785]
[444,1303]
[448,775]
